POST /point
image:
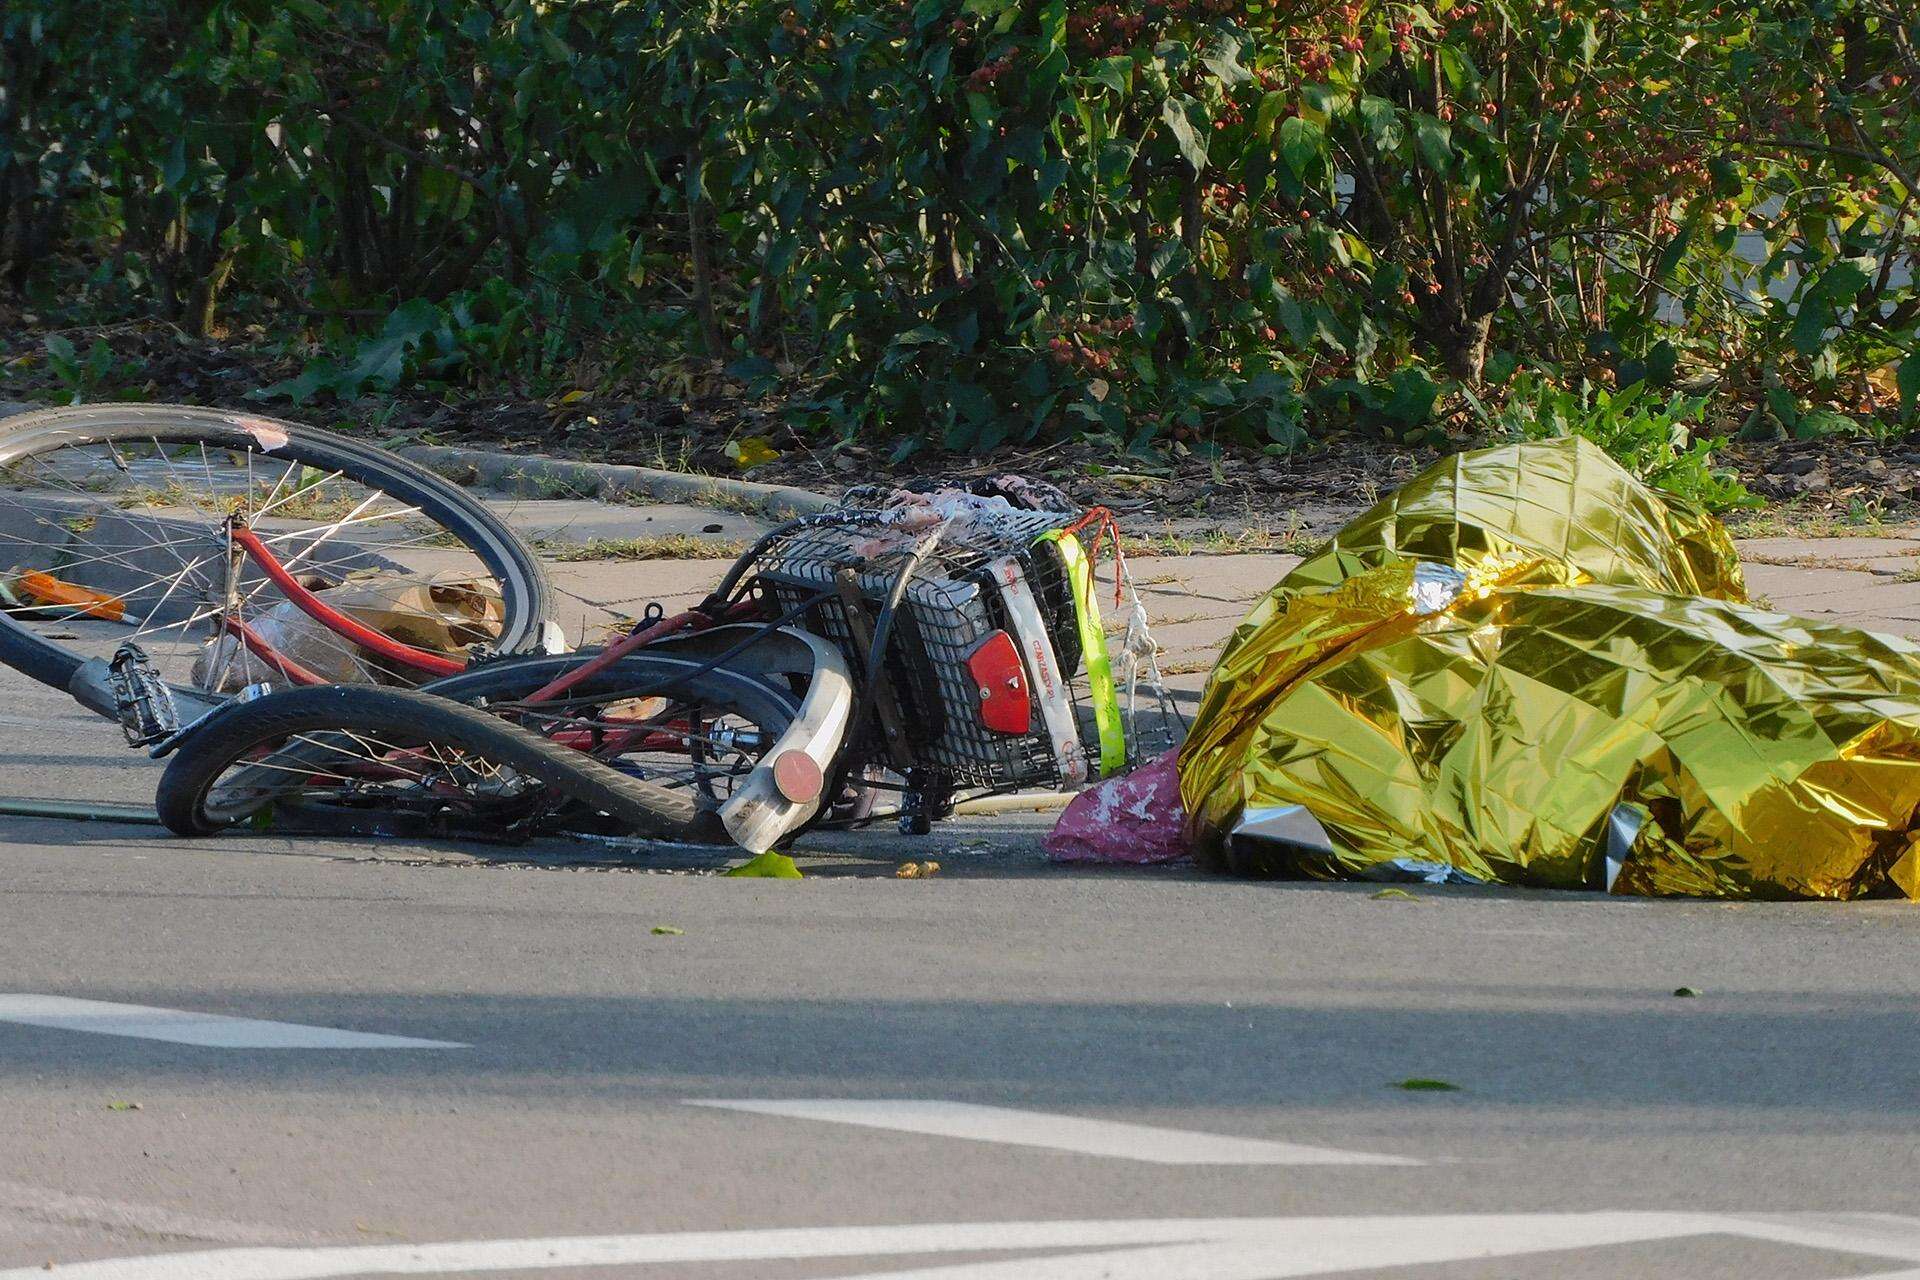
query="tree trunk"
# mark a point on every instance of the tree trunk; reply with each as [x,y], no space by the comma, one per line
[1463,347]
[203,299]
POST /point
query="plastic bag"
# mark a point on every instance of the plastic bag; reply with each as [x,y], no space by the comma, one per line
[442,617]
[1135,817]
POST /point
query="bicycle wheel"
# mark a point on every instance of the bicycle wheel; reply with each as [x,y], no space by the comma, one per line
[652,716]
[338,755]
[114,526]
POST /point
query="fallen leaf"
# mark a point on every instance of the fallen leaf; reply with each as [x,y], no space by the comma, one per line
[1686,991]
[768,866]
[1395,893]
[123,1106]
[916,870]
[751,452]
[573,397]
[1423,1084]
[667,931]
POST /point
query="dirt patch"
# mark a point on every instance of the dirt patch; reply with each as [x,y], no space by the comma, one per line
[1187,502]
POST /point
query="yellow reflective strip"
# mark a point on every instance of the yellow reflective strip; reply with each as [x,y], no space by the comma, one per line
[1093,644]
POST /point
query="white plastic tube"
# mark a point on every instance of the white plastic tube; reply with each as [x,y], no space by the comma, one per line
[1043,671]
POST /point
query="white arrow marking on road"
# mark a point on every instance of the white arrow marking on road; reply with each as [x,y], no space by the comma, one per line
[1152,1249]
[1044,1129]
[178,1026]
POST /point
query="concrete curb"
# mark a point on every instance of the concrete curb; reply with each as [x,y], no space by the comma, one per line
[534,476]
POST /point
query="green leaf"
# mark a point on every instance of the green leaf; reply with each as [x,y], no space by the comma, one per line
[1435,140]
[174,169]
[1811,321]
[1115,73]
[1784,407]
[1167,259]
[1820,423]
[1908,380]
[381,362]
[1294,321]
[1382,122]
[1412,397]
[767,866]
[667,931]
[1053,24]
[1116,160]
[1193,146]
[1272,106]
[1223,59]
[1672,252]
[1320,101]
[1426,1084]
[1842,282]
[971,401]
[1052,172]
[1301,144]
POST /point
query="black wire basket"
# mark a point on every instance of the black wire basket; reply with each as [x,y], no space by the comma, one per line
[951,607]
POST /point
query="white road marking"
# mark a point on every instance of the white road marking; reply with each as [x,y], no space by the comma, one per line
[178,1026]
[41,1204]
[1045,1129]
[1149,1249]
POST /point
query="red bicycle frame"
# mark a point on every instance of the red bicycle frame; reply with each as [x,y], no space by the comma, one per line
[425,661]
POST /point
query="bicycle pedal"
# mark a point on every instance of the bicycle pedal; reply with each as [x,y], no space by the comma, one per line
[145,704]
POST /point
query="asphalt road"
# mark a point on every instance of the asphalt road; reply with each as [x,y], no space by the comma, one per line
[1009,1071]
[1601,1125]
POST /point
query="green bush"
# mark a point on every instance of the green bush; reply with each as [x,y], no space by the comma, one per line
[1657,440]
[978,221]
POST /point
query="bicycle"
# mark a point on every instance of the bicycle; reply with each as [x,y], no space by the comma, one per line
[931,648]
[201,575]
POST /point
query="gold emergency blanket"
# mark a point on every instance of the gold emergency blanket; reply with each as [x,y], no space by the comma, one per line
[1528,668]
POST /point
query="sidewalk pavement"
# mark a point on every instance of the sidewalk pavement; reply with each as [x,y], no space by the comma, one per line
[1193,601]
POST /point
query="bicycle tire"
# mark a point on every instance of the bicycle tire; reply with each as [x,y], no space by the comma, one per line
[511,679]
[522,581]
[722,690]
[186,787]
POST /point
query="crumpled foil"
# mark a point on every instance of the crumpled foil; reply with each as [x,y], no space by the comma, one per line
[1588,703]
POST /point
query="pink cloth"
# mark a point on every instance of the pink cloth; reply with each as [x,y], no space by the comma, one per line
[1136,817]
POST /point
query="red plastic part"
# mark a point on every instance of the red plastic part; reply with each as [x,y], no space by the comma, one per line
[1005,706]
[797,776]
